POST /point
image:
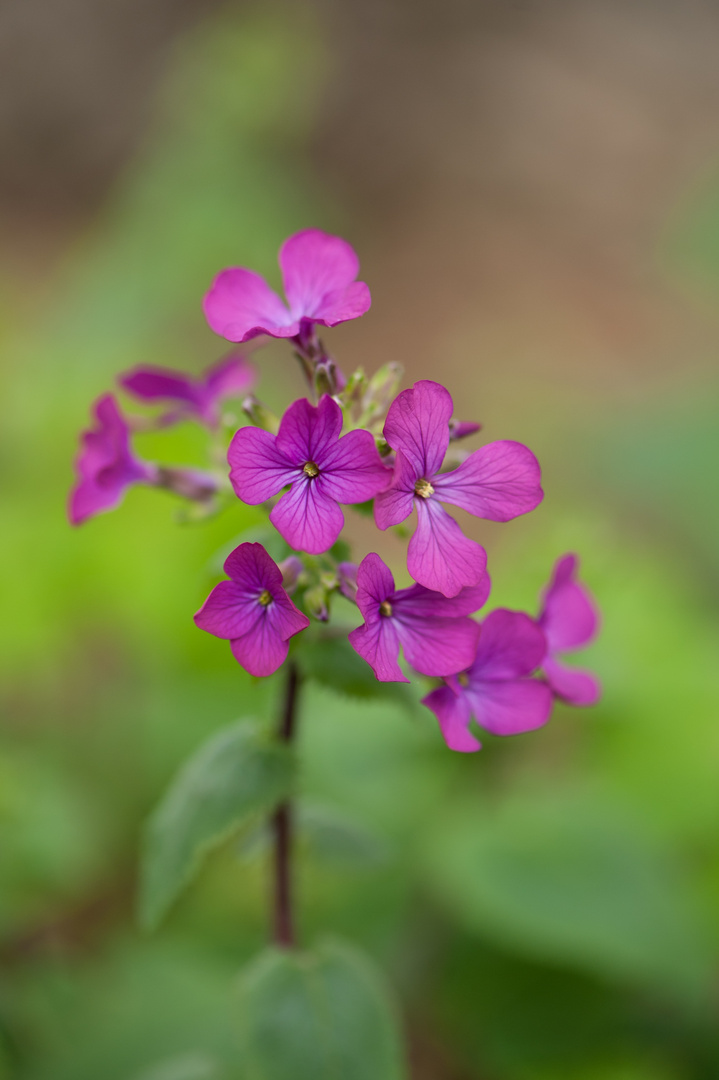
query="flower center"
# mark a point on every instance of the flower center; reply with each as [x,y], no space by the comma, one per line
[310,470]
[423,488]
[385,609]
[265,597]
[463,678]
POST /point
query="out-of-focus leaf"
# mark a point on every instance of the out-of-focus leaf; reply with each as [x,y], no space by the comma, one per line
[329,834]
[333,662]
[198,1066]
[320,1015]
[239,773]
[569,879]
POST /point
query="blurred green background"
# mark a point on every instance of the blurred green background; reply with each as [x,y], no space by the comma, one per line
[534,194]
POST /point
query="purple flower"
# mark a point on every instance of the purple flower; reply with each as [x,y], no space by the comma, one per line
[569,619]
[252,610]
[318,273]
[498,482]
[105,466]
[435,633]
[495,690]
[199,397]
[323,469]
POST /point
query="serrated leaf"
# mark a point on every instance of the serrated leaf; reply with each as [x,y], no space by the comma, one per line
[331,661]
[320,1015]
[239,773]
[567,878]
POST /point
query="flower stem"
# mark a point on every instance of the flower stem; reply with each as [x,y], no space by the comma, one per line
[283,921]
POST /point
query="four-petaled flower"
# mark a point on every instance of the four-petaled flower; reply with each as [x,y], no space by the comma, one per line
[496,689]
[252,610]
[569,619]
[194,396]
[318,273]
[498,482]
[435,632]
[105,466]
[323,469]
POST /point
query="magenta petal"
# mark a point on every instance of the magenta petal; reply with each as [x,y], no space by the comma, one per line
[258,470]
[150,383]
[497,482]
[240,305]
[511,645]
[306,518]
[452,712]
[250,565]
[344,304]
[397,501]
[510,707]
[262,650]
[105,466]
[423,602]
[309,432]
[571,684]
[569,616]
[378,644]
[229,377]
[439,555]
[352,470]
[314,265]
[229,611]
[435,646]
[418,425]
[374,585]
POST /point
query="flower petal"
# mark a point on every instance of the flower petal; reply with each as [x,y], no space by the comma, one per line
[437,646]
[344,304]
[258,469]
[240,305]
[352,470]
[424,602]
[306,518]
[569,616]
[262,650]
[497,482]
[439,555]
[397,502]
[418,425]
[510,707]
[309,432]
[453,715]
[151,383]
[251,567]
[374,585]
[511,644]
[378,644]
[231,376]
[286,619]
[316,265]
[571,684]
[229,611]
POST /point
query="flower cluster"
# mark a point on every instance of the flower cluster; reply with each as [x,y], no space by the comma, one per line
[352,441]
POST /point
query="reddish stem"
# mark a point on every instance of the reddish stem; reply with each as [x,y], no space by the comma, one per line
[284,934]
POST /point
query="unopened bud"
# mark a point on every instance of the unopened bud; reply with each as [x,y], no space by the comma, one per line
[381,390]
[347,579]
[328,378]
[460,429]
[316,603]
[290,568]
[259,415]
[187,483]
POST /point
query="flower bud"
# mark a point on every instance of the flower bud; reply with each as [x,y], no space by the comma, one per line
[259,415]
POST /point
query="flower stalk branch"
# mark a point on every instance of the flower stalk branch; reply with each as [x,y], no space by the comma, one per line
[283,916]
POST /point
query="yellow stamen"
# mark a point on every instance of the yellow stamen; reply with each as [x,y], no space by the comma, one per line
[385,609]
[423,488]
[310,469]
[265,597]
[463,678]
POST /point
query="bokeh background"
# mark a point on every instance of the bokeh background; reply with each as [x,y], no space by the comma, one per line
[533,188]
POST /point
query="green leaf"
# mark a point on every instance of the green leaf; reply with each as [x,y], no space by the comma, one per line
[568,878]
[330,835]
[332,662]
[239,773]
[320,1015]
[191,1066]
